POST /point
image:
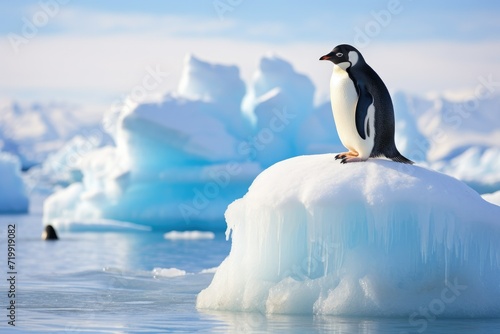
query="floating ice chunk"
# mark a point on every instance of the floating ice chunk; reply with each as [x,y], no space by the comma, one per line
[188,235]
[168,272]
[376,238]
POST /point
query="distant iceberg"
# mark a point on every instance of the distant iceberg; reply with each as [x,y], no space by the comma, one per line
[160,174]
[376,238]
[33,131]
[178,163]
[13,195]
[459,137]
[477,166]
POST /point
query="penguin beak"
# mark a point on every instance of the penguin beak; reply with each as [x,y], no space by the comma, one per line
[326,57]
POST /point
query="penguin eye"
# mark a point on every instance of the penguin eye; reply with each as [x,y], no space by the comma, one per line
[339,54]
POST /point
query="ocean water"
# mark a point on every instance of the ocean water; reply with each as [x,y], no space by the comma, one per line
[107,283]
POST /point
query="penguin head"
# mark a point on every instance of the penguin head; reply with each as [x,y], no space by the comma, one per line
[344,56]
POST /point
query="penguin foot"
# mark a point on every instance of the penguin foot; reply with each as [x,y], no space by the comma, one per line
[351,159]
[344,155]
[340,156]
[347,156]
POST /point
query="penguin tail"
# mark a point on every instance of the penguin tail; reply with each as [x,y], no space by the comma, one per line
[400,158]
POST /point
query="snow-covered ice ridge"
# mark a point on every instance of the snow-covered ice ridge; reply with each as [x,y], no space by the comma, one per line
[179,162]
[33,131]
[376,239]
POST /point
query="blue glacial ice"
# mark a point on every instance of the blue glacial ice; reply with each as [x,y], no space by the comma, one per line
[374,239]
[179,162]
[13,195]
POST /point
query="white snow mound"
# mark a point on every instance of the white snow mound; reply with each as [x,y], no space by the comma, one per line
[375,239]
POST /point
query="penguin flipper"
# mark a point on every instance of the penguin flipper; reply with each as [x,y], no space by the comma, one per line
[365,99]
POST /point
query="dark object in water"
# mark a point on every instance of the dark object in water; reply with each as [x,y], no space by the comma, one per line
[49,233]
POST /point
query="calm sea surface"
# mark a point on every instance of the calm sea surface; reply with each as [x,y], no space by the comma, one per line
[106,283]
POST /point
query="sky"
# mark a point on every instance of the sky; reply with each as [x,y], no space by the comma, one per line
[95,52]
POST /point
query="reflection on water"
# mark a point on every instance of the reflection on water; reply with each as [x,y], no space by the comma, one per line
[104,283]
[240,322]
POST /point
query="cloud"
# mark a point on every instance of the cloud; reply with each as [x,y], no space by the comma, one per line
[97,56]
[82,21]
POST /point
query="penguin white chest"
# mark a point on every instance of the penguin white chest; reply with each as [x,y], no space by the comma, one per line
[344,100]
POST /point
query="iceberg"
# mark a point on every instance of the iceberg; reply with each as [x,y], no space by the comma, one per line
[458,136]
[13,195]
[32,131]
[156,177]
[452,126]
[320,131]
[412,143]
[176,164]
[378,238]
[179,162]
[62,167]
[219,85]
[278,103]
[479,167]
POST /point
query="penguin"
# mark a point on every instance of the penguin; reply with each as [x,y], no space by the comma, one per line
[49,233]
[362,108]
